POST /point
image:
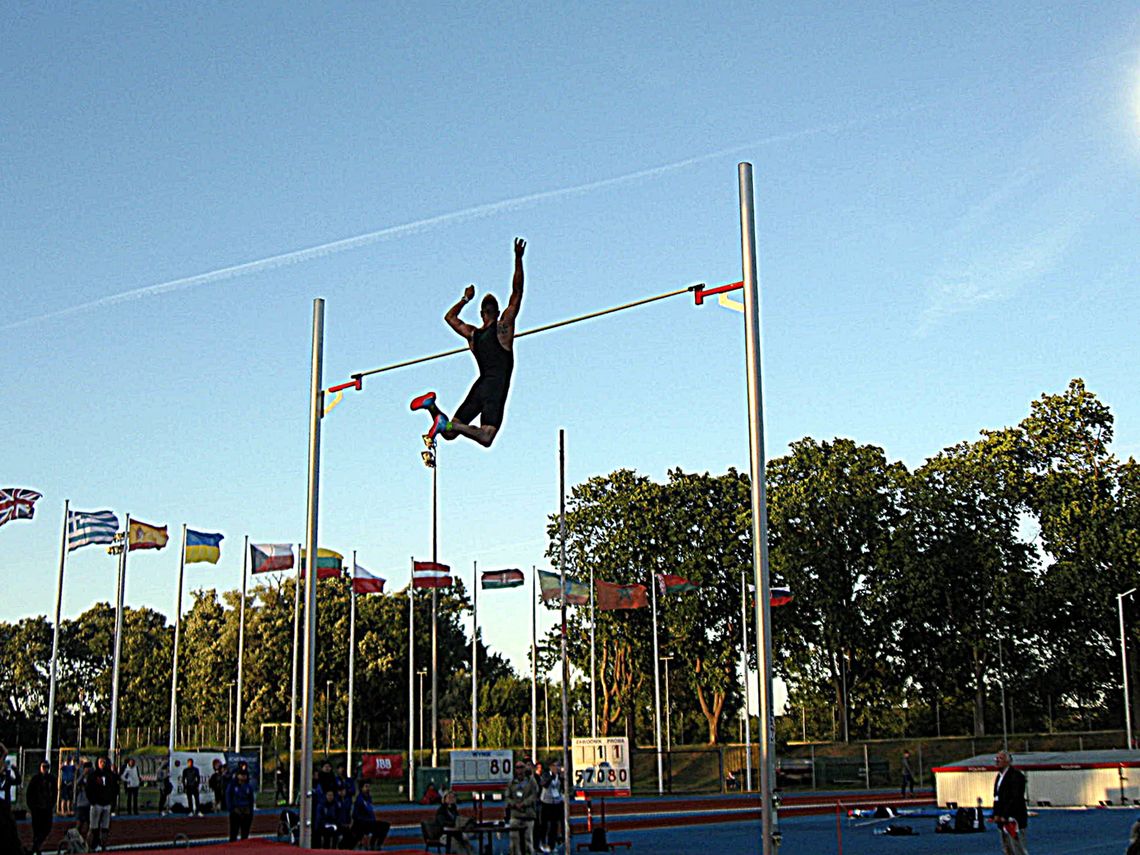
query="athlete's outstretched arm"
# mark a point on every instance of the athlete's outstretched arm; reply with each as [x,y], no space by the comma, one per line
[452,316]
[512,310]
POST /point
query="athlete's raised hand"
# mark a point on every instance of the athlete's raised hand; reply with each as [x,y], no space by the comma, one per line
[520,247]
[469,293]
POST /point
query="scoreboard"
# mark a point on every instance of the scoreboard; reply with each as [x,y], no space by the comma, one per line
[481,770]
[601,766]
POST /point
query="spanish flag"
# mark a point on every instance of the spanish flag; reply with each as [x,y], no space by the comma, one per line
[203,546]
[143,536]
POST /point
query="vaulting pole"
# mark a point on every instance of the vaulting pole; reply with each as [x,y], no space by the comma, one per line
[475,656]
[767,733]
[316,407]
[55,635]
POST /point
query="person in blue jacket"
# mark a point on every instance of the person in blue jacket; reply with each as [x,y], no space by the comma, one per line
[241,799]
[326,826]
[364,821]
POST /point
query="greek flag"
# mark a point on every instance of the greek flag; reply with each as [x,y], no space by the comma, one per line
[84,529]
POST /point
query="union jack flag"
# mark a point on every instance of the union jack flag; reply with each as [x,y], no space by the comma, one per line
[17,504]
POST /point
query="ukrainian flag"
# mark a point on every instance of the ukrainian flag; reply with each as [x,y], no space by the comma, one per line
[203,546]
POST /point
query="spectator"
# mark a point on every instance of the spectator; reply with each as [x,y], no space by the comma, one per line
[1134,840]
[431,795]
[344,810]
[343,779]
[82,803]
[364,820]
[326,780]
[907,775]
[165,787]
[217,784]
[280,779]
[41,805]
[326,829]
[241,799]
[447,816]
[551,806]
[9,778]
[521,795]
[102,791]
[539,823]
[66,786]
[1011,814]
[191,784]
[131,783]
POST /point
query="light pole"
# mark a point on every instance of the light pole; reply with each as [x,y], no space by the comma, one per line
[421,674]
[230,714]
[668,708]
[1124,668]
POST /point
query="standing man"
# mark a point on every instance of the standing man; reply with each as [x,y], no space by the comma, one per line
[241,799]
[552,807]
[907,774]
[102,791]
[191,783]
[165,788]
[492,344]
[521,796]
[131,783]
[66,786]
[1010,812]
[41,805]
[9,779]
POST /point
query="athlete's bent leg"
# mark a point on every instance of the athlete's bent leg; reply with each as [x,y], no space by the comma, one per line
[484,435]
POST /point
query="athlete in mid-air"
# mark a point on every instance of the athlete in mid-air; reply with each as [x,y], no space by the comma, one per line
[492,343]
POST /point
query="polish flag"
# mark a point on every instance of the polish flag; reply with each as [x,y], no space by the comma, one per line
[364,582]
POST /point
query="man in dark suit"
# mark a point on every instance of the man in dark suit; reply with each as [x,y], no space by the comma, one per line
[1010,812]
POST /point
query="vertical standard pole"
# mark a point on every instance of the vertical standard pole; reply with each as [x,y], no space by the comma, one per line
[411,686]
[668,710]
[293,687]
[534,660]
[767,735]
[744,667]
[241,644]
[316,407]
[656,686]
[593,665]
[113,735]
[475,657]
[177,641]
[1123,665]
[565,663]
[351,661]
[434,618]
[55,634]
[1001,682]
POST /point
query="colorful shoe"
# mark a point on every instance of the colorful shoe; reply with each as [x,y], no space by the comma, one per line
[424,401]
[441,423]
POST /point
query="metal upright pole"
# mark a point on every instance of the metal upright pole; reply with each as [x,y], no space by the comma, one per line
[293,686]
[534,660]
[177,641]
[435,617]
[744,667]
[1123,665]
[308,689]
[55,635]
[411,686]
[767,734]
[593,664]
[241,645]
[565,662]
[351,661]
[1001,682]
[113,735]
[656,687]
[475,656]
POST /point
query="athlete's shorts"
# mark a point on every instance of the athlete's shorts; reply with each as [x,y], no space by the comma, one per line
[487,399]
[101,816]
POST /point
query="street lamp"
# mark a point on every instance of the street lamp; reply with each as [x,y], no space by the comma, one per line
[668,709]
[1124,668]
[421,674]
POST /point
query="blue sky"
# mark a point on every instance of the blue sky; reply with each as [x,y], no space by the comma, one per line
[947,217]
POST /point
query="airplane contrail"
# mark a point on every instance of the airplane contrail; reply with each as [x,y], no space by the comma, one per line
[478,211]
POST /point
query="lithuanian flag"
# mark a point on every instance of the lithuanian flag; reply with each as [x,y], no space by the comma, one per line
[330,564]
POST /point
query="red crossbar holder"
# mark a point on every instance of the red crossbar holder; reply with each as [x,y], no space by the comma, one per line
[357,383]
[702,292]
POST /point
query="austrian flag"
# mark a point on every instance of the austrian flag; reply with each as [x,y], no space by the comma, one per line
[429,574]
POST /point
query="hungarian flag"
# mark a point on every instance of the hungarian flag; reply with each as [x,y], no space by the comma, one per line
[267,557]
[611,597]
[330,564]
[779,596]
[203,546]
[17,503]
[550,586]
[429,574]
[364,582]
[668,583]
[143,536]
[495,579]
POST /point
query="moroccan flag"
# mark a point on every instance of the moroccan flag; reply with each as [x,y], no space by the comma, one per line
[612,596]
[429,574]
[17,503]
[779,596]
[143,536]
[330,564]
[550,586]
[668,583]
[364,582]
[203,546]
[494,579]
[267,557]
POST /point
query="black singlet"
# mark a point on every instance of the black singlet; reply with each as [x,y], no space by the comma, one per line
[495,361]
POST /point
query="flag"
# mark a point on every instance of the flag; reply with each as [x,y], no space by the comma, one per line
[84,529]
[17,504]
[612,596]
[267,557]
[330,564]
[493,579]
[364,582]
[428,574]
[668,583]
[203,546]
[779,596]
[143,536]
[550,585]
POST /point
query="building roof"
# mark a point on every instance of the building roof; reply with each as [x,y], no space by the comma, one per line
[1049,761]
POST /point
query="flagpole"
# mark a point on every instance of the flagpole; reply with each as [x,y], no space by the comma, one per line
[593,665]
[534,659]
[241,644]
[744,665]
[351,658]
[565,665]
[475,657]
[55,634]
[656,685]
[293,687]
[177,640]
[118,649]
[412,684]
[434,618]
